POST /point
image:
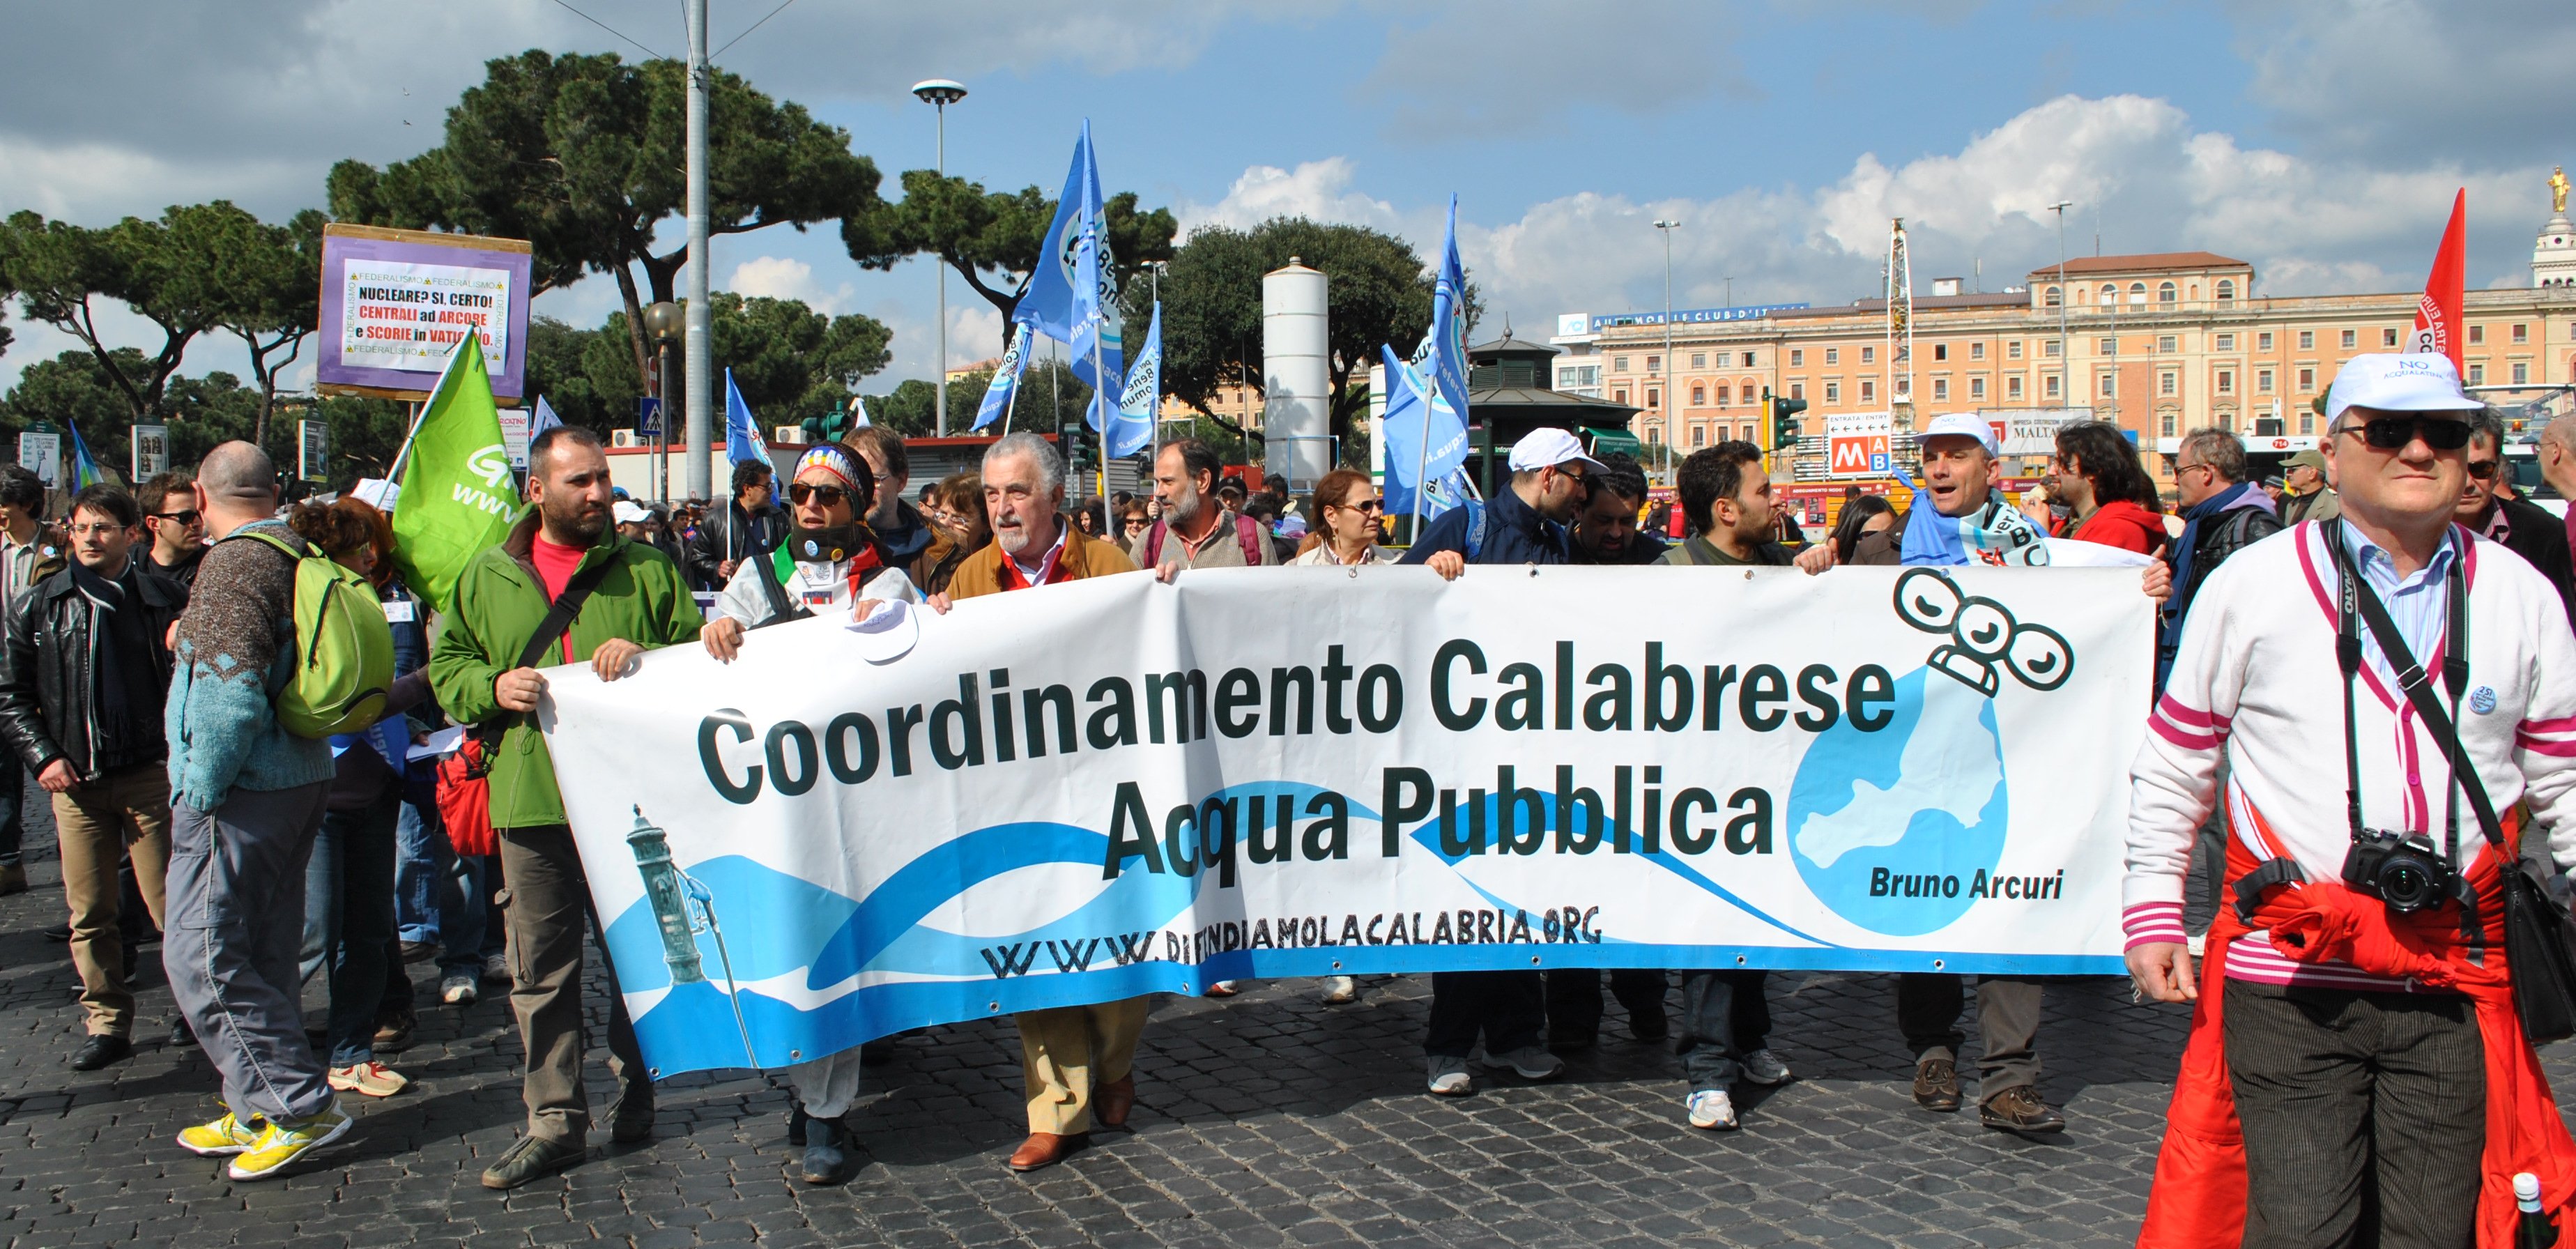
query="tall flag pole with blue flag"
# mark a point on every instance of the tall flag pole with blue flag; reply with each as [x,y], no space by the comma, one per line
[1004,390]
[1414,411]
[1445,350]
[85,471]
[1074,288]
[1144,394]
[742,433]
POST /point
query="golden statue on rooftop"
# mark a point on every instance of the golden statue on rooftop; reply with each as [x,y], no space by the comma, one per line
[2558,190]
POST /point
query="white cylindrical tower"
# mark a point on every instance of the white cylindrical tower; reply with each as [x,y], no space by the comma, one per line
[1297,378]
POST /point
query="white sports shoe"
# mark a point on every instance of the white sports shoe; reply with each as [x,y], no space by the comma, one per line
[1449,1077]
[458,990]
[1712,1110]
[1530,1063]
[1765,1068]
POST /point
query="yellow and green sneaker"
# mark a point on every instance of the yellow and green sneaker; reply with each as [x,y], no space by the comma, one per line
[283,1143]
[227,1135]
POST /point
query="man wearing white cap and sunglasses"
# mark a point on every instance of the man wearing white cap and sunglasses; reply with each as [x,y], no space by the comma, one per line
[2356,1040]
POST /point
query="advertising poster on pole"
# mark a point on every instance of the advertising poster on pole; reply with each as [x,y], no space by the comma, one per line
[395,303]
[313,446]
[42,454]
[151,446]
[1859,444]
[514,436]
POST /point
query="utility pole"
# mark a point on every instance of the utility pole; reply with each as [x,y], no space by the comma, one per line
[701,365]
[1667,227]
[939,93]
[2064,296]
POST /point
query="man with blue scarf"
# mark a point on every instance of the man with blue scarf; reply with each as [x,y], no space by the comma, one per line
[2222,514]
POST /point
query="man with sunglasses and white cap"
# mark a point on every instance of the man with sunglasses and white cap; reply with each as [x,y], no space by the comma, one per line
[2357,1071]
[1522,524]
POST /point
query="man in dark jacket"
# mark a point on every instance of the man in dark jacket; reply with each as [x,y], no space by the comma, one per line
[911,543]
[84,670]
[171,523]
[750,525]
[2489,507]
[1605,531]
[2222,514]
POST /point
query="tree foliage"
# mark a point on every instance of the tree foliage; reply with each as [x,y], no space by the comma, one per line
[991,238]
[1378,293]
[789,361]
[585,157]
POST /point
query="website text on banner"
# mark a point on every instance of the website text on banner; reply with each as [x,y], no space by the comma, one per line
[1139,787]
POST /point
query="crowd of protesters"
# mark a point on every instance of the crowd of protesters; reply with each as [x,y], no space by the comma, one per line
[139,678]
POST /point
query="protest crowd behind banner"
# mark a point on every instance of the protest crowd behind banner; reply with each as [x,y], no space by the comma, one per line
[840,756]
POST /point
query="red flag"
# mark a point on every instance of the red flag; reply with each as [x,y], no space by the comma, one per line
[2437,314]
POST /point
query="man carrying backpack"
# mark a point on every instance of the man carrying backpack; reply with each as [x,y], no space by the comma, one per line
[562,588]
[1197,531]
[246,798]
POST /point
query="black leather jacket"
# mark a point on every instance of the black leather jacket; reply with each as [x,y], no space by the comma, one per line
[2221,536]
[731,534]
[47,659]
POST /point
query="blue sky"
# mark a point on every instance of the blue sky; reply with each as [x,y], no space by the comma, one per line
[2320,141]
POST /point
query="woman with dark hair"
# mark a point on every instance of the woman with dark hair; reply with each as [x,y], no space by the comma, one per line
[2097,475]
[1345,508]
[1861,517]
[963,494]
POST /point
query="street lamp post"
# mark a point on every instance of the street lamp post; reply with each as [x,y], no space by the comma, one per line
[939,93]
[2065,368]
[666,323]
[1667,227]
[700,331]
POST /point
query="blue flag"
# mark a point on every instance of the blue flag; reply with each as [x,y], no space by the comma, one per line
[1442,357]
[542,419]
[1005,385]
[1065,294]
[743,443]
[1414,414]
[1142,402]
[85,471]
[1930,537]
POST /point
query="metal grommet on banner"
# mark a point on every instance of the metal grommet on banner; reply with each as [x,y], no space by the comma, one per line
[1533,570]
[1748,574]
[1354,573]
[1337,964]
[654,1072]
[992,1006]
[796,1055]
[1938,964]
[1533,960]
[1739,960]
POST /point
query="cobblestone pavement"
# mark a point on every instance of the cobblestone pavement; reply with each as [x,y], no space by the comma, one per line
[1269,1119]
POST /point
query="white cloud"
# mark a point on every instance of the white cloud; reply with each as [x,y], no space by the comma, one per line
[778,277]
[1316,189]
[1504,69]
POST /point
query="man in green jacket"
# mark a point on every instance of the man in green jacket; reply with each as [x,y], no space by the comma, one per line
[638,603]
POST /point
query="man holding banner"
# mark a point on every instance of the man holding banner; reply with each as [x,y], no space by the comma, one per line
[1078,1061]
[561,589]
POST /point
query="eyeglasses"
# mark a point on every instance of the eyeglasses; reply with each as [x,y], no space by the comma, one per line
[2180,469]
[1367,506]
[823,496]
[182,519]
[1138,522]
[95,529]
[2482,469]
[2393,433]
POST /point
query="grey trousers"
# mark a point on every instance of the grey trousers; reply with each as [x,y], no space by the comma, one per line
[1927,1010]
[2364,1115]
[236,915]
[548,912]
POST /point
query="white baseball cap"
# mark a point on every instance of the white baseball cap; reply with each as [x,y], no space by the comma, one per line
[1964,425]
[629,512]
[2418,381]
[1547,447]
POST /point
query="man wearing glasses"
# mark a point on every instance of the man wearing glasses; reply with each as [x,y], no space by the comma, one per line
[178,531]
[2490,508]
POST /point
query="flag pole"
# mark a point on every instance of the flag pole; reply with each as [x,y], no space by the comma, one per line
[1422,463]
[394,474]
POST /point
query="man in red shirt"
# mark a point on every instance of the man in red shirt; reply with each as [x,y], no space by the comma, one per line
[2097,473]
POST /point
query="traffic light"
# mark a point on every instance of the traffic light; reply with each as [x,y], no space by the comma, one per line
[826,428]
[1784,420]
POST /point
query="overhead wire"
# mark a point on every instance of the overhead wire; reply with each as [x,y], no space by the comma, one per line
[612,30]
[782,7]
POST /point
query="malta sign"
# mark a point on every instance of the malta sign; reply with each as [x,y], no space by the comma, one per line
[1115,787]
[396,302]
[1860,444]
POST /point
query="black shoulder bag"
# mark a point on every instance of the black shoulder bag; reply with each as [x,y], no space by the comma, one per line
[558,620]
[2538,935]
[781,608]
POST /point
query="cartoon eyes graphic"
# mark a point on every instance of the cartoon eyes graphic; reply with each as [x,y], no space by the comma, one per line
[1982,633]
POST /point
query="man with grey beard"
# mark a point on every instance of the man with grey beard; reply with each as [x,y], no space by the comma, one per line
[1197,531]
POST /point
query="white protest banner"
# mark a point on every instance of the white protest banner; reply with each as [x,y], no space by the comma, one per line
[1114,787]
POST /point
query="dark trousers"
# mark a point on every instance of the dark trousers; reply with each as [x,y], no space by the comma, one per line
[1927,1011]
[1508,1007]
[13,785]
[2364,1115]
[548,911]
[349,921]
[1574,998]
[1725,1016]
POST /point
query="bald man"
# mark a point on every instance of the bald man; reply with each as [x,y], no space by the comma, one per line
[2558,464]
[246,799]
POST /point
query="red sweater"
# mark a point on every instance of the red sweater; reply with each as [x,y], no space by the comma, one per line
[2125,525]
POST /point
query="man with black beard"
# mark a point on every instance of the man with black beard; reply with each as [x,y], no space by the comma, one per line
[627,598]
[1197,530]
[1605,531]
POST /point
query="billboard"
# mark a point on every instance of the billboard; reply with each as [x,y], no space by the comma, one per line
[396,302]
[1859,444]
[2031,431]
[42,454]
[151,451]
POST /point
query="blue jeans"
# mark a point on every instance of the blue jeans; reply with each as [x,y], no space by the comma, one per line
[419,855]
[236,901]
[349,920]
[469,926]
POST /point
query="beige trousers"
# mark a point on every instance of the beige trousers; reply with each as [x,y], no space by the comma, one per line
[1067,1051]
[95,824]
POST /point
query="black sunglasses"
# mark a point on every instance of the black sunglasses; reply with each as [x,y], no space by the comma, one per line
[2482,469]
[823,496]
[188,517]
[2392,433]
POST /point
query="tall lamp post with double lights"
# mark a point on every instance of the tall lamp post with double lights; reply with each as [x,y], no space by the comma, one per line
[2066,387]
[1667,228]
[939,93]
[666,323]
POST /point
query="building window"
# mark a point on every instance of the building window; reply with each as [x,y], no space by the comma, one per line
[1976,388]
[2168,425]
[2308,422]
[1940,351]
[2348,337]
[2307,380]
[2477,335]
[2165,383]
[1833,392]
[2109,388]
[1797,359]
[2262,341]
[1868,355]
[2521,373]
[1699,435]
[2049,348]
[2226,381]
[2227,342]
[2263,381]
[2106,347]
[2226,291]
[1748,359]
[1725,395]
[2051,388]
[1654,397]
[1797,390]
[2012,387]
[2138,293]
[1618,396]
[2387,338]
[1699,359]
[1868,390]
[2307,340]
[2522,333]
[1941,389]
[2477,375]
[2050,298]
[2227,421]
[1744,432]
[1654,364]
[2165,343]
[1976,351]
[2166,293]
[2110,294]
[1699,396]
[1618,364]
[1833,355]
[2012,350]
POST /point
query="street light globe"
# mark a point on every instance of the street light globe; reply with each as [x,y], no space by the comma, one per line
[939,91]
[1667,225]
[663,320]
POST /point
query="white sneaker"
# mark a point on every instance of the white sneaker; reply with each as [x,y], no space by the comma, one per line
[1532,1063]
[1765,1068]
[457,990]
[1340,990]
[1712,1110]
[1449,1077]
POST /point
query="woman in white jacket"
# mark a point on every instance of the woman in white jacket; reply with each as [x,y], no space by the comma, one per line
[1346,508]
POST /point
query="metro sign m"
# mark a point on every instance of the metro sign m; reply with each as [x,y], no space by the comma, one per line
[1857,455]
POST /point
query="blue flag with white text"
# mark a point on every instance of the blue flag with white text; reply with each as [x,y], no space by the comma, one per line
[1005,385]
[1143,400]
[1065,295]
[542,419]
[1415,415]
[743,443]
[1442,357]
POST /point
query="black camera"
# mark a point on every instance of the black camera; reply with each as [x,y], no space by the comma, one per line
[2403,870]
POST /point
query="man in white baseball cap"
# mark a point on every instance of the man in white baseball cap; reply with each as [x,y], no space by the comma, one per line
[1521,525]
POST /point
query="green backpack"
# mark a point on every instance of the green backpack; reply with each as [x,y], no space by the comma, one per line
[344,650]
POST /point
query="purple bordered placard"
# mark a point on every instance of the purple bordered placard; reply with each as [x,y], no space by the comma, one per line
[339,249]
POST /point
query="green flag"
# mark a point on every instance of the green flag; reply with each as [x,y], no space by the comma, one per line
[458,496]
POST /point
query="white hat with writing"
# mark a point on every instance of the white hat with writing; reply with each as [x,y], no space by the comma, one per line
[1964,425]
[2418,381]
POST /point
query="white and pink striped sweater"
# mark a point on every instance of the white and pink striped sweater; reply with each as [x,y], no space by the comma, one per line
[2256,676]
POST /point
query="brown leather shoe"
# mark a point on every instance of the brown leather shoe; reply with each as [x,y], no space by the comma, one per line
[1111,1102]
[1936,1085]
[2019,1109]
[1045,1149]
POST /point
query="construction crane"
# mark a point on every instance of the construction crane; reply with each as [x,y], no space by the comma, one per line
[1900,326]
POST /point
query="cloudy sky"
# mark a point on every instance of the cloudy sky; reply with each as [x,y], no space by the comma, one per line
[2321,141]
